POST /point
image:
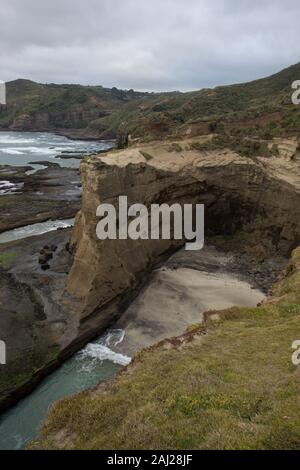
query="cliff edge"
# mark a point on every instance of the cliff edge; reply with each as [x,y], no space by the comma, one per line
[226,384]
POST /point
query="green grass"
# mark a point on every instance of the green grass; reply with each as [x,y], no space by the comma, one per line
[245,147]
[228,384]
[261,108]
[62,106]
[243,109]
[6,259]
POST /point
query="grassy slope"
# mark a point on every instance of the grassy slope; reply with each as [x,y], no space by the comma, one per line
[155,115]
[163,114]
[66,104]
[227,385]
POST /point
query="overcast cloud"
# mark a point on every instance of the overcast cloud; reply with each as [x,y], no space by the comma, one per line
[147,45]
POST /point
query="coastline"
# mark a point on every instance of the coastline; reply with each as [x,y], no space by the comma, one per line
[126,313]
[71,134]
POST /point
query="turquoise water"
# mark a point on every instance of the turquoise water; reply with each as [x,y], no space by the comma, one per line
[95,363]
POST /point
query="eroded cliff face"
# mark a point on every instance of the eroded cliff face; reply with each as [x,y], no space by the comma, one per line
[256,200]
[54,121]
[251,204]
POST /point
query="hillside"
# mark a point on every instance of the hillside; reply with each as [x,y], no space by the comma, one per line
[227,383]
[34,106]
[235,149]
[201,390]
[259,108]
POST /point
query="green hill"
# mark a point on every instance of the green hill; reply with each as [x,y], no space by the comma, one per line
[261,107]
[257,107]
[34,106]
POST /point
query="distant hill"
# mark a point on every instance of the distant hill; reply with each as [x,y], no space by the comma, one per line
[34,106]
[261,107]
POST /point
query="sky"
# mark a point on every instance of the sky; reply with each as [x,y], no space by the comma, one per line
[157,45]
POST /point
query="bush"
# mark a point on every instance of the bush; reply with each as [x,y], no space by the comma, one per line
[245,147]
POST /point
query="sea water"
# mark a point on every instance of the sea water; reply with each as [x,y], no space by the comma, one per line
[21,148]
[90,366]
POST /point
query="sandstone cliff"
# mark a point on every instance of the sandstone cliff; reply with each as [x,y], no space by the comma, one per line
[251,203]
[252,200]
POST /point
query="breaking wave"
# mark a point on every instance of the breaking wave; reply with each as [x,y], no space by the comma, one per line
[101,350]
[6,187]
[103,353]
[11,151]
[34,229]
[6,139]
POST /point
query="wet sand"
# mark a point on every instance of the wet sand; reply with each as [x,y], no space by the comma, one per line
[178,294]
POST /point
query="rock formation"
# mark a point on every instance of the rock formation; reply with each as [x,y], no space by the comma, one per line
[240,196]
[228,383]
[252,203]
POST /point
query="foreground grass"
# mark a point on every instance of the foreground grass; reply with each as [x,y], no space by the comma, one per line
[228,384]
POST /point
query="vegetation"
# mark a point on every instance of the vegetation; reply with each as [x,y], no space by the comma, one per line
[7,200]
[146,155]
[6,259]
[227,384]
[175,147]
[261,108]
[33,105]
[244,146]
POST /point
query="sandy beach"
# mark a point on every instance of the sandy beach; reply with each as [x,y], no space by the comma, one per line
[178,294]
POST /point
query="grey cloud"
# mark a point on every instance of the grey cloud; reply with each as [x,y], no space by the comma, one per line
[157,45]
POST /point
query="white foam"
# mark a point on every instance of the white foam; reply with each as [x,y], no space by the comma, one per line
[20,148]
[29,149]
[11,151]
[34,229]
[41,150]
[6,184]
[101,350]
[5,139]
[6,187]
[103,353]
[115,337]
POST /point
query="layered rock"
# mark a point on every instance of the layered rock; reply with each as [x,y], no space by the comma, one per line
[254,198]
[254,203]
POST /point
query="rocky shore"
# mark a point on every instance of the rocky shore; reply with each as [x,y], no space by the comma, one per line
[50,193]
[227,383]
[89,284]
[51,329]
